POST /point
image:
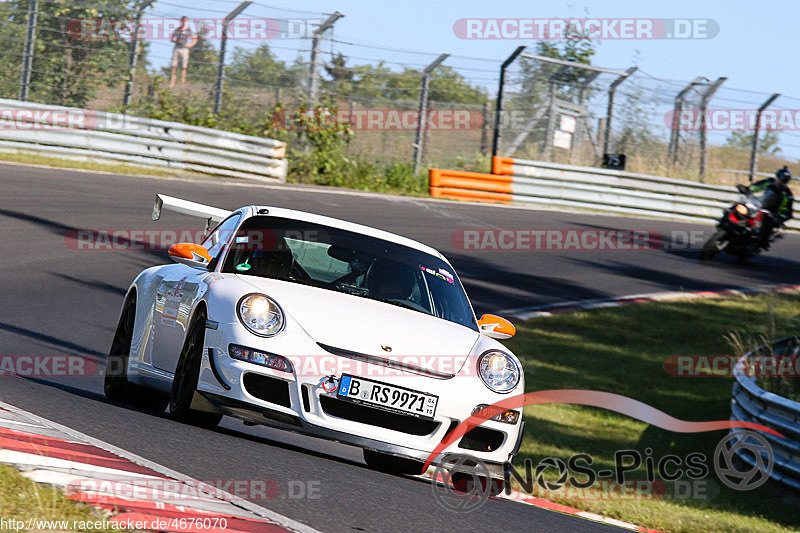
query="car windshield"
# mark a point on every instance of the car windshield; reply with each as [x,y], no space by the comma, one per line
[344,261]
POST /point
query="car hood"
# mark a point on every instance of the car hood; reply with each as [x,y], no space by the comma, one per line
[357,324]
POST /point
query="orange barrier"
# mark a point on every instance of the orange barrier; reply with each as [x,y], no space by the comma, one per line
[469,195]
[502,165]
[469,180]
[474,186]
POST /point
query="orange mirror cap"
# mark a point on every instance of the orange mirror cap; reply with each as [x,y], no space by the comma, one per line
[186,249]
[498,325]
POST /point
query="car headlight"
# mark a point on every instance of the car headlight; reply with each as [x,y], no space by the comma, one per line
[261,315]
[498,370]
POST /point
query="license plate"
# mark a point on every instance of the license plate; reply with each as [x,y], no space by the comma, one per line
[388,397]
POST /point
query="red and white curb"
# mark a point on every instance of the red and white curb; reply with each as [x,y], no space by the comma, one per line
[107,477]
[525,313]
[541,503]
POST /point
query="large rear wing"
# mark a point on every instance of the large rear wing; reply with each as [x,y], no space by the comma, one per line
[213,215]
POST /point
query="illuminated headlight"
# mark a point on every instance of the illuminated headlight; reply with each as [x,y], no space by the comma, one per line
[258,357]
[499,371]
[261,315]
[489,412]
[741,209]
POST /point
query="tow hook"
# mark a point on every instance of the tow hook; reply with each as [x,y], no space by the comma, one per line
[329,385]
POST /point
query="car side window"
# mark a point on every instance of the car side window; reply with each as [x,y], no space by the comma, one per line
[220,235]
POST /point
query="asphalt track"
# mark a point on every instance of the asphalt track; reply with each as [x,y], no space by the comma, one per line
[57,300]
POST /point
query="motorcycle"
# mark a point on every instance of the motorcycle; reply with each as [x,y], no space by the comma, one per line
[739,230]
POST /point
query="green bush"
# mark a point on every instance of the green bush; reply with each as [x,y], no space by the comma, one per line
[317,146]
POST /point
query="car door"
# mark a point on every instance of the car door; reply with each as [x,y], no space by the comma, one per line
[177,294]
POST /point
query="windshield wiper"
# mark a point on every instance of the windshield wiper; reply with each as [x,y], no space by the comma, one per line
[350,289]
[398,303]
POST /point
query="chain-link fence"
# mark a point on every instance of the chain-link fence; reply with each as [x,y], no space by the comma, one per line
[106,53]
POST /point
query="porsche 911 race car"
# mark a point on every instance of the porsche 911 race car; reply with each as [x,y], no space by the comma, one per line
[319,326]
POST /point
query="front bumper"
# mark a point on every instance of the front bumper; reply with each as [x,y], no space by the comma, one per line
[298,401]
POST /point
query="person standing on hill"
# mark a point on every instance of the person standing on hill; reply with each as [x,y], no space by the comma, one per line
[184,40]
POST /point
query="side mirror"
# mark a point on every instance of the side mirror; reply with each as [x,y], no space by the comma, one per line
[496,327]
[190,254]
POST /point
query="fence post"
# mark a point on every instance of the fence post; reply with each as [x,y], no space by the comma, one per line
[315,38]
[674,137]
[419,137]
[754,152]
[133,53]
[485,129]
[498,108]
[547,147]
[707,95]
[27,60]
[610,109]
[221,65]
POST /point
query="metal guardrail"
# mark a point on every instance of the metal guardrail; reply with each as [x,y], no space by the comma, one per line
[73,133]
[575,187]
[751,403]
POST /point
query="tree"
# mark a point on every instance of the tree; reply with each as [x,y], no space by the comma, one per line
[338,70]
[767,144]
[528,101]
[537,75]
[260,67]
[69,63]
[380,83]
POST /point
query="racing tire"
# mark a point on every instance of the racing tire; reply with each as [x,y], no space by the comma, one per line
[115,382]
[184,384]
[711,247]
[392,464]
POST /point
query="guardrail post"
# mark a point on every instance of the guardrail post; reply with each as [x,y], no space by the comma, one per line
[707,95]
[133,53]
[221,66]
[27,60]
[610,108]
[419,137]
[674,137]
[754,152]
[498,108]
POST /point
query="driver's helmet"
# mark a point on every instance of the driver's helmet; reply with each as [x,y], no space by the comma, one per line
[783,175]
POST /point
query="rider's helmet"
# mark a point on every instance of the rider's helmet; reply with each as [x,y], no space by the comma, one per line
[783,175]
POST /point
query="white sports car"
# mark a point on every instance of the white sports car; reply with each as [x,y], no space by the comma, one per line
[320,326]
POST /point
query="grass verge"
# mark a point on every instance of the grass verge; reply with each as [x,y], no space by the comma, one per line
[24,500]
[622,350]
[58,162]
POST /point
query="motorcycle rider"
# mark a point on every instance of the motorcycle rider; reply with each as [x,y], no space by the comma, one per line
[780,204]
